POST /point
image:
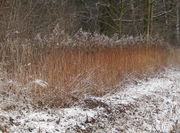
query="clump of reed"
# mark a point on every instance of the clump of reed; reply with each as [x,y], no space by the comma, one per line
[83,64]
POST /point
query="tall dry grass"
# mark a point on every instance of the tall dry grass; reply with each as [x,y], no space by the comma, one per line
[60,71]
[71,72]
[174,58]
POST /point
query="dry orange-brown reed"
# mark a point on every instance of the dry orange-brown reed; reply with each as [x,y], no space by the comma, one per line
[71,72]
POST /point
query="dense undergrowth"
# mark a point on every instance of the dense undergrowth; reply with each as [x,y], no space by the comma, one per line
[58,69]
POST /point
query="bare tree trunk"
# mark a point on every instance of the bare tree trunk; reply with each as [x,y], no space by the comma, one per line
[120,19]
[165,15]
[133,17]
[165,29]
[148,18]
[177,21]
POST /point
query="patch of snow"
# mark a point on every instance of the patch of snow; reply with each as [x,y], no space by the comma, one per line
[40,82]
[24,88]
[150,106]
[27,64]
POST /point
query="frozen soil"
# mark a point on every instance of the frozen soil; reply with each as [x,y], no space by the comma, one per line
[149,105]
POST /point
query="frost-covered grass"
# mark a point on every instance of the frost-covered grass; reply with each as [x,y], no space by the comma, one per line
[147,105]
[58,69]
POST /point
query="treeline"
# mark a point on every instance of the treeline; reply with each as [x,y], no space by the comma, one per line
[27,18]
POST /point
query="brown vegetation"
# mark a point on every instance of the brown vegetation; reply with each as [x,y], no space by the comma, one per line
[57,74]
[174,57]
[71,72]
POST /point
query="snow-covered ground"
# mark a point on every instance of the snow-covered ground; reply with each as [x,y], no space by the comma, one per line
[149,105]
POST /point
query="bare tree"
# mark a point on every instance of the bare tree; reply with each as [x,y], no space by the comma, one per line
[177,21]
[165,10]
[148,18]
[133,14]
